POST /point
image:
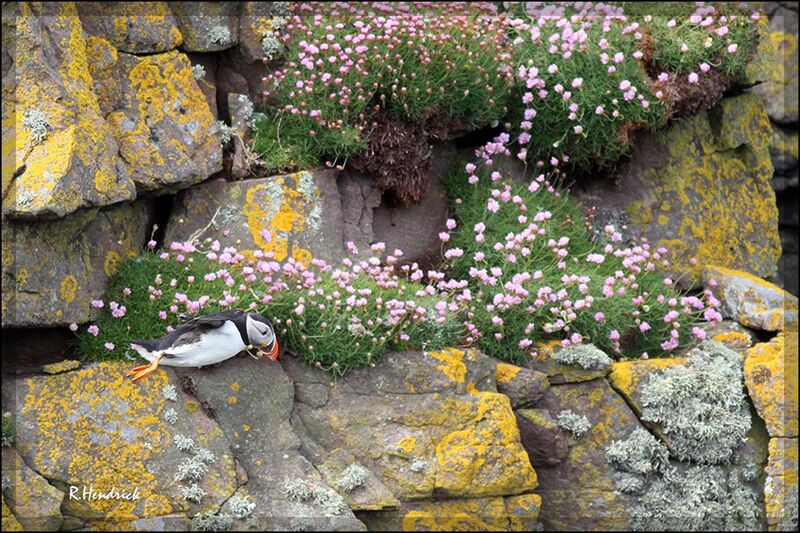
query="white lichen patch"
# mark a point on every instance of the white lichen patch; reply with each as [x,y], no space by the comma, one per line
[171,416]
[418,466]
[35,121]
[170,392]
[226,132]
[191,470]
[296,490]
[576,424]
[218,35]
[271,45]
[587,356]
[198,71]
[241,506]
[209,521]
[329,501]
[193,493]
[183,443]
[352,477]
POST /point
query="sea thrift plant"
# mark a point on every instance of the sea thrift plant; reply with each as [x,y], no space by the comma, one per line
[346,61]
[535,273]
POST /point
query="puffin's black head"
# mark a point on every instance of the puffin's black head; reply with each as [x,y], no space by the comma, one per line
[261,334]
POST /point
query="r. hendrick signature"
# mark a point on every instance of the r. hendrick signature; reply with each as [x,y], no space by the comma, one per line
[89,493]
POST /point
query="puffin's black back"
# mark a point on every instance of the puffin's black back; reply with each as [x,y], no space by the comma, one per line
[191,331]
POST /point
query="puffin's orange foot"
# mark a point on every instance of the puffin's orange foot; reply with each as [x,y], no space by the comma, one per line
[134,370]
[146,371]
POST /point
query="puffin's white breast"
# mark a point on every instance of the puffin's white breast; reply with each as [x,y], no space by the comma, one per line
[215,345]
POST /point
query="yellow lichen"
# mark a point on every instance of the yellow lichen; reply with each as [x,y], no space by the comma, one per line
[626,375]
[770,370]
[453,367]
[232,400]
[458,515]
[69,288]
[505,372]
[111,263]
[406,445]
[61,366]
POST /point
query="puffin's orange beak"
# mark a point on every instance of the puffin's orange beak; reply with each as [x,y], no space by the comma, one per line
[273,354]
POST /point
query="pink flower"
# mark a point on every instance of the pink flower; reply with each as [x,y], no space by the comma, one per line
[705,67]
[732,48]
[93,329]
[671,23]
[578,129]
[162,315]
[109,346]
[444,236]
[693,77]
[470,168]
[126,291]
[73,327]
[663,77]
[599,317]
[624,85]
[684,48]
[614,335]
[722,31]
[699,333]
[644,326]
[151,244]
[98,304]
[577,82]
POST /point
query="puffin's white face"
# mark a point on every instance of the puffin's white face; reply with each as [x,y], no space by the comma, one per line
[259,333]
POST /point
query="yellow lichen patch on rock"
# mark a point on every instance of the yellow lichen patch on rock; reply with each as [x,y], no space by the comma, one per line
[33,501]
[487,514]
[713,171]
[10,522]
[770,370]
[152,101]
[79,151]
[136,27]
[487,458]
[752,301]
[506,372]
[453,367]
[735,340]
[780,487]
[275,212]
[61,366]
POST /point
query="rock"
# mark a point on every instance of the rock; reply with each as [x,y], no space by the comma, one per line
[166,132]
[59,154]
[206,26]
[33,501]
[780,488]
[53,270]
[770,370]
[780,91]
[415,229]
[94,429]
[360,197]
[298,215]
[252,400]
[700,188]
[545,443]
[240,109]
[208,81]
[371,496]
[522,386]
[732,334]
[751,301]
[515,513]
[449,434]
[132,27]
[784,150]
[559,373]
[578,493]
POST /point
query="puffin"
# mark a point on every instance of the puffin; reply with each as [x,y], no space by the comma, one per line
[207,340]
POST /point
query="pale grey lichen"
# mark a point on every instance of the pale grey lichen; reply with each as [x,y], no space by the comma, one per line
[35,121]
[198,71]
[750,471]
[6,483]
[204,455]
[193,493]
[697,498]
[701,406]
[628,483]
[271,45]
[209,521]
[226,132]
[352,477]
[296,489]
[191,469]
[586,356]
[576,424]
[641,453]
[171,416]
[419,466]
[787,521]
[170,392]
[218,35]
[301,524]
[241,506]
[329,501]
[183,443]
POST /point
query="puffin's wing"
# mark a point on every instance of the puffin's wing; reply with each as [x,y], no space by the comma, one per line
[216,320]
